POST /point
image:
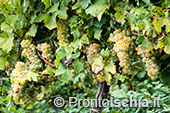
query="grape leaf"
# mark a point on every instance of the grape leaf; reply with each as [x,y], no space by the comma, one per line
[33,76]
[50,70]
[62,53]
[50,21]
[75,32]
[147,27]
[3,59]
[108,70]
[139,39]
[2,18]
[146,1]
[6,42]
[120,17]
[40,17]
[66,76]
[11,20]
[110,67]
[160,44]
[158,23]
[6,27]
[97,64]
[108,78]
[97,33]
[105,53]
[47,3]
[50,17]
[167,45]
[85,39]
[78,66]
[62,13]
[85,3]
[167,23]
[61,70]
[57,61]
[32,31]
[141,74]
[21,22]
[76,55]
[167,2]
[97,8]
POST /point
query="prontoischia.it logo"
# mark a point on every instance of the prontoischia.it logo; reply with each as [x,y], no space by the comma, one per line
[130,102]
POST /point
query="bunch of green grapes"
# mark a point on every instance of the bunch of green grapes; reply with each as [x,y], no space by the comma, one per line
[30,53]
[19,71]
[46,50]
[93,49]
[62,32]
[149,60]
[26,92]
[124,48]
[9,67]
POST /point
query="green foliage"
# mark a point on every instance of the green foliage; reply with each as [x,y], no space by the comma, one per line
[69,73]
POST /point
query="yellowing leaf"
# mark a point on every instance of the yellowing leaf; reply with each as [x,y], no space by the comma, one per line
[47,3]
[110,67]
[158,23]
[160,44]
[120,17]
[97,64]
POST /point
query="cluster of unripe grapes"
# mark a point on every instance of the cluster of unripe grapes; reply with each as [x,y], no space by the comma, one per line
[124,48]
[149,60]
[9,67]
[62,32]
[46,50]
[30,53]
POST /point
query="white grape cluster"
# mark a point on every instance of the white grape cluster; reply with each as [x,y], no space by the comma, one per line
[62,32]
[25,92]
[19,71]
[149,60]
[93,49]
[46,50]
[123,47]
[30,53]
[9,67]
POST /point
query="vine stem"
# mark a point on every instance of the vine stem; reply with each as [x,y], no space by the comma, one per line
[16,41]
[41,56]
[40,73]
[44,59]
[136,33]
